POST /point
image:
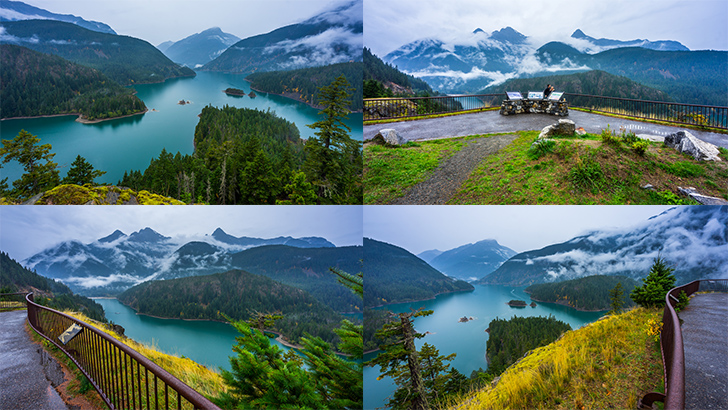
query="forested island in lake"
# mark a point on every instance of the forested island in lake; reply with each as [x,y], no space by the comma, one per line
[591,293]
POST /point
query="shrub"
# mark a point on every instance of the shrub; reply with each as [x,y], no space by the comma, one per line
[629,137]
[587,175]
[540,148]
[668,198]
[682,301]
[640,147]
[608,136]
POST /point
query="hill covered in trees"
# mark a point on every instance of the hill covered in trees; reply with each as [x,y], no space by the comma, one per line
[14,278]
[303,84]
[588,293]
[385,80]
[395,275]
[307,269]
[33,84]
[593,82]
[124,59]
[238,295]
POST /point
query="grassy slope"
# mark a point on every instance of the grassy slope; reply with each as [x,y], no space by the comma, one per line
[513,177]
[608,364]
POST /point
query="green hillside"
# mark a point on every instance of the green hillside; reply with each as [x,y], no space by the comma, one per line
[124,59]
[303,84]
[14,278]
[307,269]
[382,79]
[237,294]
[588,293]
[33,84]
[395,275]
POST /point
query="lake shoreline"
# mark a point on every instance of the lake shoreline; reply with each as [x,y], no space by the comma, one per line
[79,118]
[567,305]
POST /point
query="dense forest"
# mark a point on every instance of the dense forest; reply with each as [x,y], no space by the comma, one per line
[374,319]
[395,275]
[124,59]
[307,269]
[33,84]
[14,278]
[384,80]
[304,83]
[242,156]
[509,339]
[238,295]
[588,293]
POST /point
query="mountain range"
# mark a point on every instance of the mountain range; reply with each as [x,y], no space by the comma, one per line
[331,37]
[115,262]
[692,239]
[471,261]
[478,60]
[16,10]
[198,49]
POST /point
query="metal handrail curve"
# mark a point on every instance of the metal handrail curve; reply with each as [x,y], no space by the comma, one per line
[671,346]
[122,376]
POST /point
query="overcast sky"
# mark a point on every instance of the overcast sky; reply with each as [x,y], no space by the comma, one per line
[697,24]
[419,228]
[26,230]
[157,21]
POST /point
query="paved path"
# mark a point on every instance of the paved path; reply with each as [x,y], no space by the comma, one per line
[705,339]
[489,122]
[23,382]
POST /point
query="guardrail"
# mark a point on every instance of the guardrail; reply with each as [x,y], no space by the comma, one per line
[10,301]
[682,114]
[671,345]
[123,377]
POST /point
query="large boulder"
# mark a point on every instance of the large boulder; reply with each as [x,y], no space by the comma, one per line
[684,141]
[391,137]
[563,127]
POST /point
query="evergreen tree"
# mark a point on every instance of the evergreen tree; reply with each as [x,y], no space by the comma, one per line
[616,295]
[331,159]
[41,172]
[655,286]
[400,360]
[81,172]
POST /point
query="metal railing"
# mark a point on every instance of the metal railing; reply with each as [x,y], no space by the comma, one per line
[681,114]
[123,377]
[10,301]
[407,107]
[671,345]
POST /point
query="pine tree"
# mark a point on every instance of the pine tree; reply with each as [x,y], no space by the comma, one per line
[655,286]
[41,172]
[81,172]
[616,295]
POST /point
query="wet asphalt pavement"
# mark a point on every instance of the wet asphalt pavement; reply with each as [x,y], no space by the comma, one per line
[23,383]
[705,332]
[488,122]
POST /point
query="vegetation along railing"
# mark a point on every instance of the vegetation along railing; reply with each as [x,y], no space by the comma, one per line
[10,301]
[671,345]
[123,377]
[682,114]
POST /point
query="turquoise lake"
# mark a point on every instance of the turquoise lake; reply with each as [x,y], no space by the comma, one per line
[130,143]
[206,342]
[468,339]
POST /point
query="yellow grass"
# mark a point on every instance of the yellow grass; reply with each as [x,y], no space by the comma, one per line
[608,364]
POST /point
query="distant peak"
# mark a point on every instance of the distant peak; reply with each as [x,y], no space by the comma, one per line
[508,34]
[147,235]
[478,30]
[114,236]
[219,231]
[579,34]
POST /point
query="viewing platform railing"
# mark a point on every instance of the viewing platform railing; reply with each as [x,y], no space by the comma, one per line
[123,377]
[674,113]
[671,345]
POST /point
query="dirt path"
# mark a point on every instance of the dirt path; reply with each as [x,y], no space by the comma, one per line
[450,175]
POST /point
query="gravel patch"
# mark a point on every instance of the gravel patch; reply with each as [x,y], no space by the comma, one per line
[450,175]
